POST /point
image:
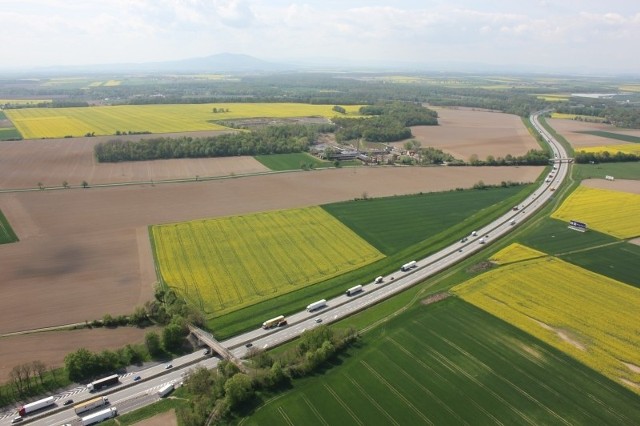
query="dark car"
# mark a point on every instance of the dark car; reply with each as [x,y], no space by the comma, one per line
[68,402]
[135,379]
[248,345]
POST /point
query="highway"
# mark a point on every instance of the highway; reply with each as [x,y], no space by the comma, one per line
[130,395]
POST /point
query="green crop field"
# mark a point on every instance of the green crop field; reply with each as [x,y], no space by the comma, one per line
[599,171]
[225,264]
[618,261]
[393,223]
[6,232]
[451,363]
[552,236]
[611,135]
[35,123]
[293,161]
[9,134]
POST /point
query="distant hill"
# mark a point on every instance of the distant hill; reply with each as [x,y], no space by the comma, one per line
[219,63]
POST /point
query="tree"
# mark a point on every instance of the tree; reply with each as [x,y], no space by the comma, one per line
[172,337]
[85,184]
[39,368]
[152,341]
[238,389]
[41,186]
[80,364]
[65,184]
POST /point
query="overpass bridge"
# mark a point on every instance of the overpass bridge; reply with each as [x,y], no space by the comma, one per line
[210,341]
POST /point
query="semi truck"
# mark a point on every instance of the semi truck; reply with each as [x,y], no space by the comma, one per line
[99,416]
[103,383]
[165,390]
[408,266]
[354,290]
[36,405]
[91,404]
[274,322]
[316,305]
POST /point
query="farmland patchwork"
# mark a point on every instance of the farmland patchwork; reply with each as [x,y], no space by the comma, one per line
[589,316]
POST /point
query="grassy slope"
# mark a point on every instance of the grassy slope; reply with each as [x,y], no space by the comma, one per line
[279,162]
[6,232]
[450,363]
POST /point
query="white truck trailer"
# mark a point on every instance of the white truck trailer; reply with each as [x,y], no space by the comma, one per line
[99,416]
[379,279]
[316,305]
[408,266]
[36,405]
[96,385]
[91,404]
[165,390]
[354,290]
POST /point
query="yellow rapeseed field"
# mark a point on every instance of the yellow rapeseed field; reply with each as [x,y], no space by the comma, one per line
[515,253]
[36,123]
[627,148]
[225,264]
[611,212]
[564,116]
[589,316]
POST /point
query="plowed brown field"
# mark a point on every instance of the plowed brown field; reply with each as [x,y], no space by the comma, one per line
[51,162]
[463,132]
[570,130]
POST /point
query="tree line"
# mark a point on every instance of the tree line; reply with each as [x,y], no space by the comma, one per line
[583,157]
[279,139]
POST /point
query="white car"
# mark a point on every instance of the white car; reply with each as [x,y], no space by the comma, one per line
[168,366]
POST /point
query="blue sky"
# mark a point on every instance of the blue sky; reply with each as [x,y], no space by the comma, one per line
[587,36]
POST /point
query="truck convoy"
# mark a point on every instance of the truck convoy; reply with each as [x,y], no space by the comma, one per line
[408,266]
[278,321]
[316,305]
[103,383]
[99,416]
[35,406]
[354,290]
[91,404]
[165,390]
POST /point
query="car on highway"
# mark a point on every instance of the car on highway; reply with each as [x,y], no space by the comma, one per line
[206,351]
[16,419]
[248,345]
[318,320]
[68,402]
[168,366]
[135,379]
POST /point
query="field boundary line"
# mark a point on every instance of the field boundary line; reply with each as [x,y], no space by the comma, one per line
[372,400]
[397,393]
[343,404]
[315,411]
[592,247]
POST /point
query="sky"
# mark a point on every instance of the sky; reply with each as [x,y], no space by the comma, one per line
[585,36]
